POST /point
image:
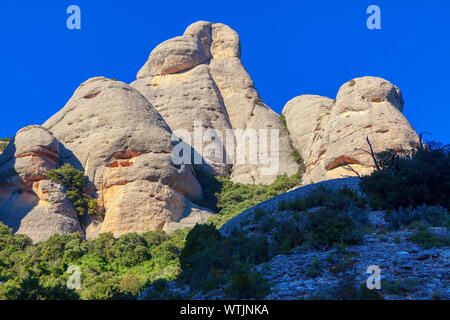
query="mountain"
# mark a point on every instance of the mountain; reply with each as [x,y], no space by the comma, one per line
[193,92]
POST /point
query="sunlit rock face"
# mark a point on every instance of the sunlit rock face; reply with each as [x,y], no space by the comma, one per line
[331,134]
[109,130]
[199,77]
[30,203]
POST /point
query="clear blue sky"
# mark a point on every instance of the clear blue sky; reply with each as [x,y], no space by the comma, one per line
[289,48]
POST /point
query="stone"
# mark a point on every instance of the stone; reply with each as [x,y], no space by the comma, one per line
[172,56]
[331,135]
[109,130]
[221,95]
[30,203]
[187,97]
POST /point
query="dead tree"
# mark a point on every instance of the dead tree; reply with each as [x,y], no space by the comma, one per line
[373,154]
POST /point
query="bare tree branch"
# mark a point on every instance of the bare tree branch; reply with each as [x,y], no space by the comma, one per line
[348,167]
[373,154]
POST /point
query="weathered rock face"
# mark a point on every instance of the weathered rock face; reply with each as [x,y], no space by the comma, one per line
[124,146]
[211,86]
[331,135]
[29,203]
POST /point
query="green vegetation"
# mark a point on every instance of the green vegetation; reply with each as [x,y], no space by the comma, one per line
[283,121]
[210,260]
[410,180]
[314,269]
[435,216]
[426,239]
[233,198]
[336,220]
[75,183]
[204,260]
[297,157]
[399,287]
[325,197]
[110,268]
[348,287]
[4,143]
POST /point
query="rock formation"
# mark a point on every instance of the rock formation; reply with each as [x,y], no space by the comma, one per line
[199,77]
[29,203]
[113,133]
[193,87]
[331,135]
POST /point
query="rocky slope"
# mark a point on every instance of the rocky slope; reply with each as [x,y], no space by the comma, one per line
[122,136]
[407,270]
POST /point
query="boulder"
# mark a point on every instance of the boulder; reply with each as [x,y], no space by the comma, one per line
[172,56]
[218,93]
[30,203]
[187,98]
[331,135]
[109,130]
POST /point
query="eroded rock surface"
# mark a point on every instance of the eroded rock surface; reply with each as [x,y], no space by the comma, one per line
[29,203]
[114,134]
[331,135]
[218,92]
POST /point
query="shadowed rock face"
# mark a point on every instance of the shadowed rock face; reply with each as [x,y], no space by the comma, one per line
[29,203]
[124,146]
[331,135]
[208,83]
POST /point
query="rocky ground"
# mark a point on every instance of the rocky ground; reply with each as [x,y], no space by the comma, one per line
[407,270]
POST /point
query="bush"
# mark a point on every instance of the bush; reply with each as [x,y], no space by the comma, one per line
[435,216]
[330,227]
[235,198]
[324,197]
[110,268]
[401,286]
[75,181]
[411,181]
[210,260]
[425,238]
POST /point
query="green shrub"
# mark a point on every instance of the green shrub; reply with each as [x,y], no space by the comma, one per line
[31,289]
[247,284]
[324,197]
[411,181]
[286,235]
[314,269]
[435,216]
[110,268]
[330,227]
[75,182]
[210,260]
[235,198]
[399,287]
[426,239]
[283,121]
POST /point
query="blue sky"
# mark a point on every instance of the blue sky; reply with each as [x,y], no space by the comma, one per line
[288,48]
